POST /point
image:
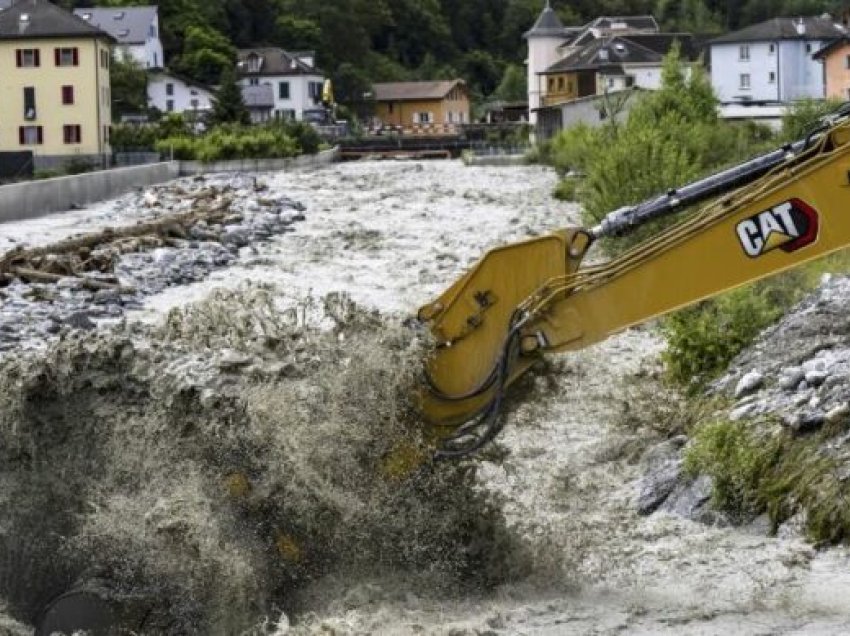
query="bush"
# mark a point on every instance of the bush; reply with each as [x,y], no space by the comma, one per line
[755,472]
[703,339]
[567,189]
[231,142]
[804,115]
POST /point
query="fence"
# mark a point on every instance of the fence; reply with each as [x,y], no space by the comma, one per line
[16,165]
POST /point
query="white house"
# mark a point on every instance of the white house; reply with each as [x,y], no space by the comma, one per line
[174,94]
[544,38]
[296,83]
[136,30]
[772,61]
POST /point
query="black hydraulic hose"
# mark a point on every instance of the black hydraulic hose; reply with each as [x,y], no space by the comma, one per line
[626,219]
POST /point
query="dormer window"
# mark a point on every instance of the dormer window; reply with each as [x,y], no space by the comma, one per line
[119,15]
[87,16]
[603,55]
[25,17]
[255,62]
[123,33]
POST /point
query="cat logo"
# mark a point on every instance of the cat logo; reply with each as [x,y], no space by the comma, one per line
[789,226]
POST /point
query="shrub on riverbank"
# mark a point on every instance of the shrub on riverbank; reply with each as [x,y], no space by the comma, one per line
[231,142]
[763,469]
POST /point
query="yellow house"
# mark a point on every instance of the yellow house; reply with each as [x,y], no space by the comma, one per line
[54,79]
[417,104]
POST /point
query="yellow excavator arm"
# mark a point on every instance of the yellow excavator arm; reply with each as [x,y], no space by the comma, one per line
[526,299]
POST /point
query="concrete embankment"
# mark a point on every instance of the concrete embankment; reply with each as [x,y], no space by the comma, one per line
[36,198]
[33,199]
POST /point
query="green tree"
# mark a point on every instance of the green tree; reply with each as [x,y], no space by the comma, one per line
[228,105]
[128,87]
[514,85]
[206,53]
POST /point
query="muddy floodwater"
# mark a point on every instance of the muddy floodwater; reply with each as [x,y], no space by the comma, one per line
[562,547]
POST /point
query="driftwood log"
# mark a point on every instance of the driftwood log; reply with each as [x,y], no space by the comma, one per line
[72,256]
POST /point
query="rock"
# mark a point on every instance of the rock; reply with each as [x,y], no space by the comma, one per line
[791,378]
[236,236]
[690,499]
[804,422]
[749,383]
[663,466]
[838,413]
[816,377]
[79,320]
[230,359]
[742,412]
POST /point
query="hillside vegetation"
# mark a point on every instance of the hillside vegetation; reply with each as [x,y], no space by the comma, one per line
[361,41]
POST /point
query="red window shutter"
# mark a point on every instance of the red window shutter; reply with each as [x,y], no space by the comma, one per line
[39,134]
[21,135]
[19,57]
[65,135]
[76,56]
[57,57]
[38,59]
[79,134]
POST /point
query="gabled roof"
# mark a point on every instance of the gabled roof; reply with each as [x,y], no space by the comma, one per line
[27,19]
[611,25]
[548,25]
[128,25]
[612,51]
[400,91]
[181,78]
[832,46]
[272,61]
[785,29]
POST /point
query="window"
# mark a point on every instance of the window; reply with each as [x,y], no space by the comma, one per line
[771,77]
[551,84]
[847,61]
[104,59]
[744,52]
[72,134]
[66,56]
[422,118]
[169,105]
[744,80]
[194,104]
[254,81]
[283,90]
[27,57]
[808,47]
[560,84]
[771,48]
[390,108]
[169,89]
[451,117]
[29,103]
[314,90]
[67,95]
[30,135]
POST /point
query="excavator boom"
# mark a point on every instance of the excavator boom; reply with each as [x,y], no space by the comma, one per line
[535,297]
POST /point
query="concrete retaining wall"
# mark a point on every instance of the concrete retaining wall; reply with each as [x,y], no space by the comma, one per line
[32,199]
[260,165]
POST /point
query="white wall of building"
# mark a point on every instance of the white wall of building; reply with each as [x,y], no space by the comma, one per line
[183,97]
[542,53]
[766,71]
[299,97]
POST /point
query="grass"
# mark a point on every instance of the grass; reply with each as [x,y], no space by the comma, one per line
[758,469]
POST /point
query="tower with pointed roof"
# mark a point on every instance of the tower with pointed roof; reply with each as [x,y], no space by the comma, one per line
[543,41]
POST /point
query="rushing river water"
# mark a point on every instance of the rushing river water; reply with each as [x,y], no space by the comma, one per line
[392,235]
